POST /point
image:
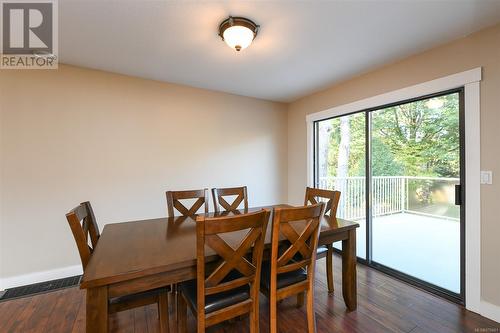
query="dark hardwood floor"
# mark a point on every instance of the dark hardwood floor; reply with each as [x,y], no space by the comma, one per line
[384,305]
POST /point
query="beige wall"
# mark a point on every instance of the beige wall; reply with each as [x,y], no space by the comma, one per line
[76,134]
[480,49]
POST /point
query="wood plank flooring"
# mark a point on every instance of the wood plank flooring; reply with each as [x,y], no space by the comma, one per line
[384,305]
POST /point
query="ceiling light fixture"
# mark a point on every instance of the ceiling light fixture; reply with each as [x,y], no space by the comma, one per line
[238,32]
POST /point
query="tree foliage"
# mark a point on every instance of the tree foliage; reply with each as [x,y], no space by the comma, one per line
[423,140]
[415,139]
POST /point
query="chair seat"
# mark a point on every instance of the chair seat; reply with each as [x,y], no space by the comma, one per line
[134,297]
[216,301]
[122,303]
[321,251]
[284,279]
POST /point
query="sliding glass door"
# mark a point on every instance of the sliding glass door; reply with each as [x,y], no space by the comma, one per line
[399,169]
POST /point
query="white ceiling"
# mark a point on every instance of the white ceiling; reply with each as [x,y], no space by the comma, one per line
[302,46]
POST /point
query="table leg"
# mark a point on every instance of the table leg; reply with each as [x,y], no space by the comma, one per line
[349,283]
[97,310]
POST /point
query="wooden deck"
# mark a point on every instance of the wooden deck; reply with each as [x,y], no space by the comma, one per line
[384,305]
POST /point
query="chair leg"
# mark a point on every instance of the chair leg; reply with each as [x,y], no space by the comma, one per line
[300,299]
[253,318]
[200,325]
[163,312]
[273,315]
[311,318]
[181,314]
[329,267]
[173,298]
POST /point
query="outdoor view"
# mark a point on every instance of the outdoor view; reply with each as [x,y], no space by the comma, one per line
[341,166]
[415,165]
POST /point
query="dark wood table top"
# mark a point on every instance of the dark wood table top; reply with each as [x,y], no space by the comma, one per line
[129,250]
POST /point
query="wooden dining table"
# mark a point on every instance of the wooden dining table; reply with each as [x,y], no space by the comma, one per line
[136,256]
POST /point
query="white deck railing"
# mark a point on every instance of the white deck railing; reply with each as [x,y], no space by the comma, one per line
[390,194]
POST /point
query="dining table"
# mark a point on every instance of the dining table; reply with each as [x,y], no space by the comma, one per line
[136,256]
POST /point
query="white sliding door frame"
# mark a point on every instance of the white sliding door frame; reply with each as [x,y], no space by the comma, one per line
[470,80]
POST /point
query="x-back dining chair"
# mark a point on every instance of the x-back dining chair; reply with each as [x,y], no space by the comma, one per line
[219,195]
[230,288]
[291,267]
[313,196]
[174,201]
[85,230]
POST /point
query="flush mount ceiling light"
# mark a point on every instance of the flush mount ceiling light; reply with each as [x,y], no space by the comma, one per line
[238,32]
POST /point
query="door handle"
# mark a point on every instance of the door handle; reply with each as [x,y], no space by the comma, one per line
[458,195]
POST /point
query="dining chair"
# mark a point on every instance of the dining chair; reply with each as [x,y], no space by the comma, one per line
[229,287]
[174,197]
[290,271]
[218,195]
[313,196]
[174,202]
[83,225]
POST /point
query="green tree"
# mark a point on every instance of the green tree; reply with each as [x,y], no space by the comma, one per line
[414,139]
[421,136]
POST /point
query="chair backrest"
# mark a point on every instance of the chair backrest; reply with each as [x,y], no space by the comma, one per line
[332,200]
[83,225]
[233,249]
[174,197]
[218,195]
[296,248]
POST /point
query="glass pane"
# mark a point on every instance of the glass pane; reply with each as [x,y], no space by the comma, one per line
[415,167]
[340,165]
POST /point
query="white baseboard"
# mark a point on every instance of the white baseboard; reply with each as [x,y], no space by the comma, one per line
[25,279]
[490,311]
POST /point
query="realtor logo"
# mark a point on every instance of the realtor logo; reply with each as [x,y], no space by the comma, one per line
[29,34]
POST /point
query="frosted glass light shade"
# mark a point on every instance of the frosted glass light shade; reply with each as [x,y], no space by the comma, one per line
[238,37]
